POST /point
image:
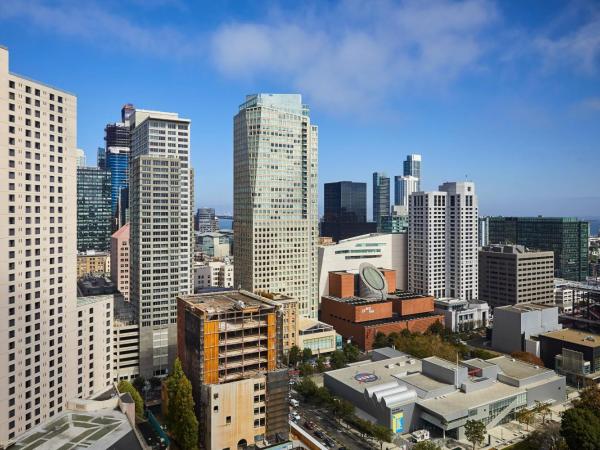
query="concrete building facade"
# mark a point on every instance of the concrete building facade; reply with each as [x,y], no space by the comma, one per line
[126,340]
[463,315]
[442,241]
[119,260]
[38,266]
[161,244]
[275,198]
[513,274]
[213,274]
[93,263]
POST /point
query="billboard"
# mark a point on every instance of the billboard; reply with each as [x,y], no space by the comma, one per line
[398,422]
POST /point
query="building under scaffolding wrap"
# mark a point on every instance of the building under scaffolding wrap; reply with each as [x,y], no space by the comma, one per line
[230,346]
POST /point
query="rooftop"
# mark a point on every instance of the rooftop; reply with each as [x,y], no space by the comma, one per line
[575,337]
[225,301]
[91,299]
[524,307]
[517,369]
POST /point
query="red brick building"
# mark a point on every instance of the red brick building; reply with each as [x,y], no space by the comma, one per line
[360,319]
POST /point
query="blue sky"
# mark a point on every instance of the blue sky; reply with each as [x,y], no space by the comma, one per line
[506,93]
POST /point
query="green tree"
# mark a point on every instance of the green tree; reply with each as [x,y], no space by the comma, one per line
[320,363]
[436,328]
[185,429]
[323,396]
[351,352]
[306,369]
[337,359]
[306,387]
[306,354]
[475,432]
[342,409]
[525,416]
[589,398]
[426,445]
[380,340]
[547,437]
[542,409]
[294,356]
[155,382]
[172,384]
[382,434]
[126,386]
[139,383]
[581,429]
[405,333]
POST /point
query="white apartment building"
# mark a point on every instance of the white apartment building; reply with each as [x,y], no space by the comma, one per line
[94,345]
[161,232]
[385,250]
[442,241]
[462,315]
[404,186]
[213,274]
[38,265]
[275,198]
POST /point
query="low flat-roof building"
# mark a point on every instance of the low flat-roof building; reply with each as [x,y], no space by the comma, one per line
[407,394]
[462,315]
[573,353]
[366,302]
[516,327]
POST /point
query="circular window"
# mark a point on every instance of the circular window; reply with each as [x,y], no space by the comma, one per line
[366,377]
[374,278]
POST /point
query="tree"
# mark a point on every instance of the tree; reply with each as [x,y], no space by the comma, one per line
[475,432]
[294,356]
[589,398]
[543,409]
[126,386]
[185,429]
[426,445]
[320,363]
[172,384]
[351,352]
[382,434]
[139,383]
[306,355]
[525,416]
[380,340]
[323,396]
[306,369]
[547,437]
[581,429]
[306,387]
[405,333]
[155,382]
[342,408]
[337,359]
[436,328]
[528,358]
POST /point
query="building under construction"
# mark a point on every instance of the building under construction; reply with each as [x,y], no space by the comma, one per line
[230,346]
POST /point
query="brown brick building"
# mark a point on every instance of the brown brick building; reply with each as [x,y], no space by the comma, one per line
[361,318]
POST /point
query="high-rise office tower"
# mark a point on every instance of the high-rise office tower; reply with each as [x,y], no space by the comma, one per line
[345,201]
[101,158]
[412,167]
[117,163]
[161,245]
[119,260]
[38,138]
[567,237]
[403,187]
[442,241]
[381,196]
[275,198]
[483,231]
[80,157]
[206,221]
[94,218]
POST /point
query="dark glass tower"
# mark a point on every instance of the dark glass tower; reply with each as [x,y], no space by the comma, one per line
[117,163]
[345,201]
[94,216]
[567,237]
[381,196]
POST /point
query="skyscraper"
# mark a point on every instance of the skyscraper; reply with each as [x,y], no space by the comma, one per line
[567,237]
[403,187]
[161,186]
[38,138]
[206,221]
[117,163]
[345,201]
[275,198]
[412,167]
[381,196]
[94,217]
[101,158]
[442,241]
[80,157]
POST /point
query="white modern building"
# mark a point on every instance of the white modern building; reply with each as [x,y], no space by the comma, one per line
[566,296]
[463,315]
[214,244]
[161,232]
[94,345]
[275,198]
[213,274]
[38,265]
[388,251]
[404,186]
[442,242]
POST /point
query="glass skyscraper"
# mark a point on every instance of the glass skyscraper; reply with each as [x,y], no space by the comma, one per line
[117,163]
[567,237]
[381,196]
[412,167]
[345,201]
[94,217]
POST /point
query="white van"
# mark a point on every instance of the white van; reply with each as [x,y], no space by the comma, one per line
[294,402]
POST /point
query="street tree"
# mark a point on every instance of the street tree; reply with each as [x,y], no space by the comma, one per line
[337,359]
[542,409]
[589,398]
[581,429]
[294,356]
[426,445]
[126,386]
[183,418]
[380,340]
[382,434]
[306,355]
[525,416]
[475,432]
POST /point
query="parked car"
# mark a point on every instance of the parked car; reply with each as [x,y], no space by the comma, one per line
[296,417]
[319,434]
[329,443]
[309,425]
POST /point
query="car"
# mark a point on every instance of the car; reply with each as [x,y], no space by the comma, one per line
[341,448]
[296,417]
[319,434]
[309,425]
[329,443]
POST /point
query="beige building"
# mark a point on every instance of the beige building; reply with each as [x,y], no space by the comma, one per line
[213,274]
[94,345]
[230,346]
[38,265]
[512,274]
[93,263]
[320,337]
[126,340]
[275,167]
[119,260]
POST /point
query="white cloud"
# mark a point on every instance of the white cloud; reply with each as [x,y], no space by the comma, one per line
[359,52]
